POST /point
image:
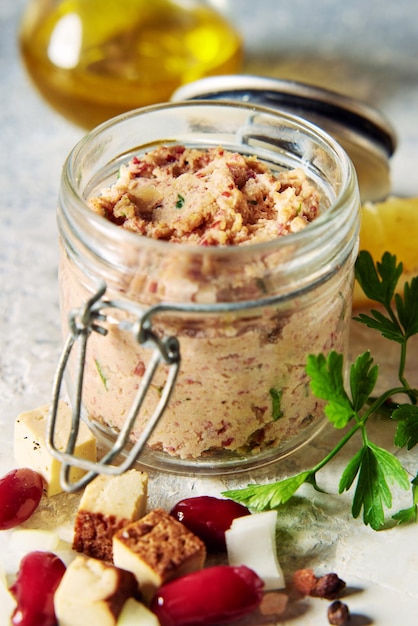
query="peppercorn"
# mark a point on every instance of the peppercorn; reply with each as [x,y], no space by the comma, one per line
[338,613]
[328,586]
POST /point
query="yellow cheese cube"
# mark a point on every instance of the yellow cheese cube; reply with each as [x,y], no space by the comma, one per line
[30,448]
[123,496]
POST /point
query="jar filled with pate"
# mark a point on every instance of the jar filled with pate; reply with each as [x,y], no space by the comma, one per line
[232,229]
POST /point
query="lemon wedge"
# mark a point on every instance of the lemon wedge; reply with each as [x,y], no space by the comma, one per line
[392,226]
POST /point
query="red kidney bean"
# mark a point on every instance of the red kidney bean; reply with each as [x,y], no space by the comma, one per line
[209,518]
[20,493]
[210,596]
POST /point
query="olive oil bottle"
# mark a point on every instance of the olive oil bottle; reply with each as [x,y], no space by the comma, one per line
[94,59]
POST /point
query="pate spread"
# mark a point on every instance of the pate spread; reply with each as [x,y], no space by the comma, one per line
[207,197]
[242,386]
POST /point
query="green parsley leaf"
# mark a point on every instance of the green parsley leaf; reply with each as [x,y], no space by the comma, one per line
[327,383]
[261,285]
[389,328]
[180,201]
[406,435]
[407,308]
[101,373]
[351,471]
[378,282]
[276,398]
[263,497]
[374,468]
[406,515]
[363,377]
[391,466]
[411,513]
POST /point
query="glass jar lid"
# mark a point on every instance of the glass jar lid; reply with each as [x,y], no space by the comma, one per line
[363,131]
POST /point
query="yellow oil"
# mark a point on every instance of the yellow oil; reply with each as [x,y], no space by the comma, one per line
[94,59]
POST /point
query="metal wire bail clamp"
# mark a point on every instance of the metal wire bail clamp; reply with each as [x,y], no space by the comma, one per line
[82,322]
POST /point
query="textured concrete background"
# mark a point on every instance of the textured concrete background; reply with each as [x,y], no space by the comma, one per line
[367,49]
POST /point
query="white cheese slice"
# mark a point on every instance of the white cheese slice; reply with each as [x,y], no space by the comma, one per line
[251,541]
[25,540]
[30,448]
[22,541]
[136,614]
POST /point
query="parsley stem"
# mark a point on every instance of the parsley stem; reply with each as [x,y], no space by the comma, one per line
[402,363]
[401,373]
[388,307]
[337,448]
[381,400]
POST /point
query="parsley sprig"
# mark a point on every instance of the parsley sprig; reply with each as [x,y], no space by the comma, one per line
[372,470]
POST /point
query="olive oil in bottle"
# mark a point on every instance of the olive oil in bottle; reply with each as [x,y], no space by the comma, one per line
[94,59]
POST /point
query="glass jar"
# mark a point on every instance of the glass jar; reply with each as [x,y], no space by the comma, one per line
[245,317]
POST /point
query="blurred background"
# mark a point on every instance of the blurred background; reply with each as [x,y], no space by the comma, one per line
[94,58]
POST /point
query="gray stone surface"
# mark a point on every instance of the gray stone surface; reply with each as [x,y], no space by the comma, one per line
[368,49]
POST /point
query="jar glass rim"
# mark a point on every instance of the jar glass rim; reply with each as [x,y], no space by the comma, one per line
[71,179]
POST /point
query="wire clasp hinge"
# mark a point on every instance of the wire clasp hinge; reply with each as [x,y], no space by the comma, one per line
[84,321]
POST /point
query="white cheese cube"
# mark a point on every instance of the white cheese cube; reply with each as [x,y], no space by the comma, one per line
[251,541]
[92,593]
[30,448]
